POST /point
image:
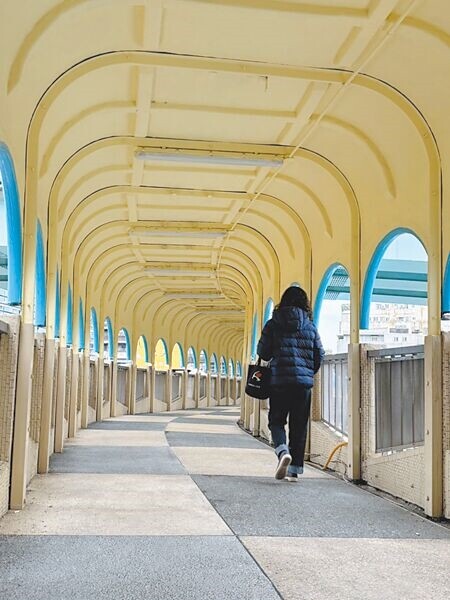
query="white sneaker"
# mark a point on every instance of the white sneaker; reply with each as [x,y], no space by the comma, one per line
[283,464]
[293,477]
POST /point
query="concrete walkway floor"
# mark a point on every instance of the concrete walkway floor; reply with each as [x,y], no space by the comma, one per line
[185,506]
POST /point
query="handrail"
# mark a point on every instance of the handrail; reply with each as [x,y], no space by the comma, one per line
[399,351]
[335,357]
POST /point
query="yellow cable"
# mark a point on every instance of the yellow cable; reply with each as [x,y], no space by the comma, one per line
[333,452]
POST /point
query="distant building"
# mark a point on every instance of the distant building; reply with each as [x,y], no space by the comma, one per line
[390,325]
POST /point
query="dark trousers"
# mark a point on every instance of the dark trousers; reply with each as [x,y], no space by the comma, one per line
[293,401]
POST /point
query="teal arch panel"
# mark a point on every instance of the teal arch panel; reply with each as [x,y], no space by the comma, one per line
[40,300]
[323,290]
[254,343]
[268,310]
[94,322]
[128,344]
[69,316]
[57,306]
[13,225]
[81,344]
[110,337]
[144,341]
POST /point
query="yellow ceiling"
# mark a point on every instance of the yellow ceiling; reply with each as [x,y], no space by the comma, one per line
[353,94]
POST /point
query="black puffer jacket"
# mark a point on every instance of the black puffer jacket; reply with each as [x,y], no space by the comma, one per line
[293,343]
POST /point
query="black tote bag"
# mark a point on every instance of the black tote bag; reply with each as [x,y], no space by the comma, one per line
[258,381]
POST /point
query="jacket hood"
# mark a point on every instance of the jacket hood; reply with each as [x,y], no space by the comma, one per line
[289,318]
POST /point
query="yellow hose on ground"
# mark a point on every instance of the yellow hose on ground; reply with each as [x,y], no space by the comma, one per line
[333,452]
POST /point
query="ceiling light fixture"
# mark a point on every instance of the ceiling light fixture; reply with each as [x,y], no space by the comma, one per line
[200,234]
[178,272]
[249,160]
[189,296]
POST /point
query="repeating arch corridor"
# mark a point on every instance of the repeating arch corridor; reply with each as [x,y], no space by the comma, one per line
[165,181]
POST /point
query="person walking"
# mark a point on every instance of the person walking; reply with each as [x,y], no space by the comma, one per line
[291,343]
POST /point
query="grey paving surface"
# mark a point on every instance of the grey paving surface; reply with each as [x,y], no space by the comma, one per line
[210,420]
[210,440]
[129,568]
[121,460]
[311,508]
[128,426]
[158,537]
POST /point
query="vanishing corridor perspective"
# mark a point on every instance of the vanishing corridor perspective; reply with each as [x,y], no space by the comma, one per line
[167,169]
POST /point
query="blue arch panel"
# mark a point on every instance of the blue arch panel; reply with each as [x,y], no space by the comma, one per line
[372,270]
[323,290]
[446,288]
[254,343]
[214,361]
[110,337]
[57,306]
[81,342]
[166,350]
[94,322]
[13,225]
[194,355]
[69,316]
[144,341]
[40,300]
[268,310]
[205,354]
[223,366]
[231,370]
[128,344]
[238,368]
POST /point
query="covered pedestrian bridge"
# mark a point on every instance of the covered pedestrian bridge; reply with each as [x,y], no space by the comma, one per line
[168,168]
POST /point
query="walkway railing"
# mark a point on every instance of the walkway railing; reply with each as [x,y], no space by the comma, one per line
[399,397]
[214,386]
[141,391]
[160,386]
[176,385]
[190,391]
[92,385]
[334,392]
[203,392]
[122,385]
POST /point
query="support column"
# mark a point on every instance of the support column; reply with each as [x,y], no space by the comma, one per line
[113,406]
[184,386]
[100,375]
[22,417]
[354,412]
[60,399]
[169,389]
[152,388]
[257,416]
[132,396]
[46,408]
[229,401]
[208,389]
[85,390]
[148,389]
[197,389]
[433,427]
[73,395]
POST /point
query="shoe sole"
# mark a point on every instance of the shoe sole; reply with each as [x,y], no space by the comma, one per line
[282,468]
[292,479]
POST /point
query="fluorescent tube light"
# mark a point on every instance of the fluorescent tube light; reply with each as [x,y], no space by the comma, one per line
[181,234]
[254,160]
[178,272]
[189,296]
